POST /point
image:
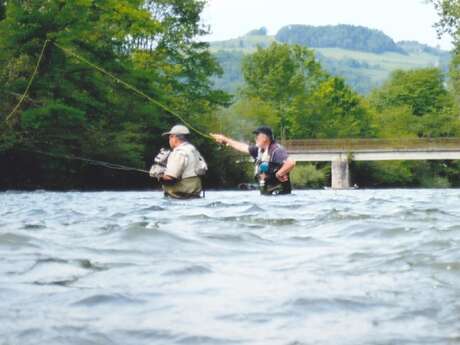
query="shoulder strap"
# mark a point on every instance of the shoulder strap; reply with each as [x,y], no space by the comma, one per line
[278,147]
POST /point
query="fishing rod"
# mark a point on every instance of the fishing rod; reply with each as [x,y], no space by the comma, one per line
[94,162]
[113,77]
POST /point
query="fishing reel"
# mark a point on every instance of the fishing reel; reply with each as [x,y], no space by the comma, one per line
[162,157]
[159,163]
[262,173]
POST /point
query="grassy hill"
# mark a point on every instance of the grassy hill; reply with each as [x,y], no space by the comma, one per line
[363,70]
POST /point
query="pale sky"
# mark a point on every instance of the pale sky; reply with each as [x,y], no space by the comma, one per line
[400,19]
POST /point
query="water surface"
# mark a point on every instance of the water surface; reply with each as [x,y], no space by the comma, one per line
[317,267]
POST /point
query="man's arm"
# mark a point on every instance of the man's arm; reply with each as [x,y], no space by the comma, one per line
[174,168]
[222,139]
[286,168]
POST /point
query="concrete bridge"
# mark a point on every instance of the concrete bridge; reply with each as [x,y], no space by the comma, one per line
[340,152]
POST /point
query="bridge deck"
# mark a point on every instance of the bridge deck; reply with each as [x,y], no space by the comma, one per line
[374,149]
[372,145]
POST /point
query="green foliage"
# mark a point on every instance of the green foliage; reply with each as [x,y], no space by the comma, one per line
[422,90]
[74,109]
[2,9]
[245,114]
[278,75]
[449,13]
[363,70]
[286,88]
[280,72]
[421,174]
[8,138]
[338,36]
[435,182]
[416,104]
[333,110]
[232,77]
[449,23]
[155,46]
[309,176]
[397,173]
[454,77]
[395,122]
[53,117]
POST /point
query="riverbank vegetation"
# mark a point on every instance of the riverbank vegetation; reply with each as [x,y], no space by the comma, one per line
[72,109]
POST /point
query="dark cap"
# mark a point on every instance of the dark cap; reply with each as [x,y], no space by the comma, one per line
[264,130]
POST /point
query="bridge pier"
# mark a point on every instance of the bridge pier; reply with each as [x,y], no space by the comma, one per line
[340,174]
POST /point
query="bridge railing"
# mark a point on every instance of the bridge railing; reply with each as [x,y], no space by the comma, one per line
[350,145]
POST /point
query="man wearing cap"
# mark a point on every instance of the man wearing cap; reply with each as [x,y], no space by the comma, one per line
[273,164]
[181,178]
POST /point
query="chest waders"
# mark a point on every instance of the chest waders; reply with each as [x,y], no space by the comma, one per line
[189,185]
[265,174]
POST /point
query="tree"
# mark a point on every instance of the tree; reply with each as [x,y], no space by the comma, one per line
[449,13]
[278,75]
[413,104]
[2,9]
[306,102]
[449,23]
[74,109]
[422,93]
[333,110]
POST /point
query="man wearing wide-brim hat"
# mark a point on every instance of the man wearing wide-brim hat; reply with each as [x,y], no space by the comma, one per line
[185,166]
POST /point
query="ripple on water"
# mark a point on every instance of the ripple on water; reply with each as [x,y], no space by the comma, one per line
[188,270]
[320,267]
[16,241]
[231,238]
[221,204]
[151,208]
[148,231]
[62,272]
[335,215]
[33,226]
[330,305]
[107,299]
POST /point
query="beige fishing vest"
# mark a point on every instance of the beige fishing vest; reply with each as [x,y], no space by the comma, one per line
[185,161]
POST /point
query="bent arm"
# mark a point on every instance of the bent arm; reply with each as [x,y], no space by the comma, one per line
[236,145]
[174,168]
[286,168]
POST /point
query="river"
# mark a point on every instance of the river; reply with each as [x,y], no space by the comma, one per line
[316,267]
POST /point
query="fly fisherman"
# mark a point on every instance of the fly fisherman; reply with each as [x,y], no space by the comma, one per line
[179,171]
[272,163]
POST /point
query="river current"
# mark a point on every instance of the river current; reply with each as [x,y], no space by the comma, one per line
[316,267]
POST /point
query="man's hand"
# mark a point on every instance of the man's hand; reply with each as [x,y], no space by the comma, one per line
[281,178]
[283,174]
[221,139]
[156,171]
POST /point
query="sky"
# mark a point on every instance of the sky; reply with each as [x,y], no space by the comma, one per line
[400,19]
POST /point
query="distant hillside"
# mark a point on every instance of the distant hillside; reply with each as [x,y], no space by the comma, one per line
[417,48]
[339,36]
[364,68]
